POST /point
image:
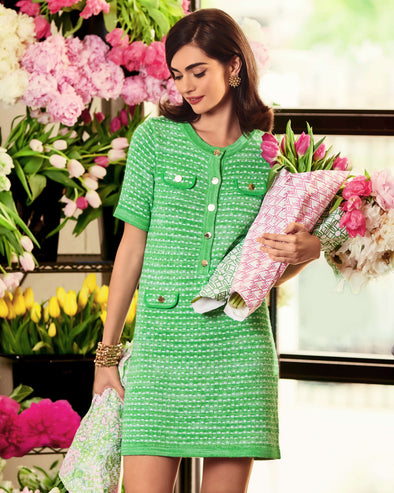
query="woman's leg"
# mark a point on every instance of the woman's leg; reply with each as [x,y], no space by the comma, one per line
[226,475]
[149,474]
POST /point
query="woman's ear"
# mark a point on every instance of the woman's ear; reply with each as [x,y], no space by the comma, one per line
[235,65]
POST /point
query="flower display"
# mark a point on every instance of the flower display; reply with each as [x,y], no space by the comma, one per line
[68,323]
[16,34]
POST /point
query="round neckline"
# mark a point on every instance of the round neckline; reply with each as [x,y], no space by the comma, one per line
[196,139]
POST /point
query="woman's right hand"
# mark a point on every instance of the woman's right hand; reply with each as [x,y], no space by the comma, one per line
[107,377]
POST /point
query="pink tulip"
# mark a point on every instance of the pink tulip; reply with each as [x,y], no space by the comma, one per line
[124,118]
[93,199]
[320,152]
[60,145]
[354,202]
[99,116]
[269,148]
[283,144]
[70,207]
[120,143]
[28,7]
[101,161]
[354,222]
[26,243]
[3,288]
[58,161]
[340,163]
[97,171]
[27,261]
[86,116]
[302,144]
[75,168]
[116,124]
[82,203]
[116,155]
[12,280]
[90,182]
[36,145]
[359,185]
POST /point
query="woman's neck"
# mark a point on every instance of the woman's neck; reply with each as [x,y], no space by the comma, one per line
[219,129]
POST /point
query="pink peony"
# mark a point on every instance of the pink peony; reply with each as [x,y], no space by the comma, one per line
[41,89]
[340,163]
[94,7]
[354,222]
[383,189]
[42,27]
[66,107]
[28,7]
[320,152]
[108,80]
[117,55]
[117,37]
[155,61]
[47,57]
[359,185]
[134,55]
[173,95]
[11,437]
[50,424]
[186,6]
[302,143]
[154,88]
[269,148]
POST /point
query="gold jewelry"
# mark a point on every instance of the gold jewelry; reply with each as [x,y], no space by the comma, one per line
[108,355]
[234,80]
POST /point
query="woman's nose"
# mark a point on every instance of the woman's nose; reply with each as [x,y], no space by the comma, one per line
[186,85]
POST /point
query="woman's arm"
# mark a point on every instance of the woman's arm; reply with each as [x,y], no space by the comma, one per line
[124,279]
[297,247]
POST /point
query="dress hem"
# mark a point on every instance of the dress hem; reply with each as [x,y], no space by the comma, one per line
[256,453]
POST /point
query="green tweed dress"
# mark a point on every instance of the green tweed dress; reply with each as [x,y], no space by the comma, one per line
[197,385]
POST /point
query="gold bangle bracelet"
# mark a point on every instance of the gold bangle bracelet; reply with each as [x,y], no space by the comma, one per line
[108,354]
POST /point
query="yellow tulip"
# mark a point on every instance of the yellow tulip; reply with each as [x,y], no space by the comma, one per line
[61,296]
[83,297]
[35,313]
[103,316]
[52,330]
[18,292]
[8,296]
[29,298]
[3,308]
[19,304]
[46,314]
[132,309]
[11,310]
[101,295]
[53,307]
[70,303]
[90,282]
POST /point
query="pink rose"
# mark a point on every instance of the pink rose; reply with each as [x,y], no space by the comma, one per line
[383,189]
[42,27]
[354,222]
[302,143]
[28,7]
[359,185]
[340,163]
[320,152]
[269,148]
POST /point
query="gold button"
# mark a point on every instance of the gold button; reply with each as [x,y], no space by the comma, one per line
[251,186]
[204,263]
[207,235]
[216,152]
[160,299]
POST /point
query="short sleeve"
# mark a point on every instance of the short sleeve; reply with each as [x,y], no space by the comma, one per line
[136,197]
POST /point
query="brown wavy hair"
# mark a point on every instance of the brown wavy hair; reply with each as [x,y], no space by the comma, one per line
[220,37]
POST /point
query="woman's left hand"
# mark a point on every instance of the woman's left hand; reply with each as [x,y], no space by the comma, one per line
[296,246]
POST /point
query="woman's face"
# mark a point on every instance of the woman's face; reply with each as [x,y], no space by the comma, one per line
[202,81]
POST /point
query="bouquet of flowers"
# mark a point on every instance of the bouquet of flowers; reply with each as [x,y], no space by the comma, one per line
[28,424]
[303,180]
[367,215]
[67,323]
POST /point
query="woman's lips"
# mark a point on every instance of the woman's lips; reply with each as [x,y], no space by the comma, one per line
[194,100]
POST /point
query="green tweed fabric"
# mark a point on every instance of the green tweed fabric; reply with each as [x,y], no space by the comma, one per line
[198,385]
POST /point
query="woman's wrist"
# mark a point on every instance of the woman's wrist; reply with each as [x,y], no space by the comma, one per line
[108,354]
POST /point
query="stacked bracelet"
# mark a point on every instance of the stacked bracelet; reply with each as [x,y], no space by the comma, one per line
[108,355]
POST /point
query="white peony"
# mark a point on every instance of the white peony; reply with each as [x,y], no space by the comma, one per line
[13,86]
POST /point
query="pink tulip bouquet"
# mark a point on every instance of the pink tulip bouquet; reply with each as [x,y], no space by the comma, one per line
[302,183]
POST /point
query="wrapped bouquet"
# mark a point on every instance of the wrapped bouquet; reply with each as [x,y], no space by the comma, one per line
[303,182]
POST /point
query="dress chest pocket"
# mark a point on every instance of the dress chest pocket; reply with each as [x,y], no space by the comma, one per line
[159,298]
[254,187]
[180,180]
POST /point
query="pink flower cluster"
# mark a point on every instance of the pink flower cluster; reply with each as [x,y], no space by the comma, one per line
[43,424]
[360,190]
[41,25]
[66,73]
[150,78]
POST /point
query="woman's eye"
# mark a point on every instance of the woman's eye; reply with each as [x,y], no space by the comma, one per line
[200,74]
[177,77]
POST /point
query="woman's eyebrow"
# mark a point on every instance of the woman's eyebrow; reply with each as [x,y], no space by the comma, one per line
[189,67]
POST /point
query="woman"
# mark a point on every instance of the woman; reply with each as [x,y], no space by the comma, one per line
[198,385]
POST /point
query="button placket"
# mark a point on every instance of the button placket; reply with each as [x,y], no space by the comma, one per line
[211,209]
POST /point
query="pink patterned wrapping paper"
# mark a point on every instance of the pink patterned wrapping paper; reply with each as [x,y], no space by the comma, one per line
[294,197]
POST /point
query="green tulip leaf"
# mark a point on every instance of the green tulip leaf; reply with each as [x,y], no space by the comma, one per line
[37,184]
